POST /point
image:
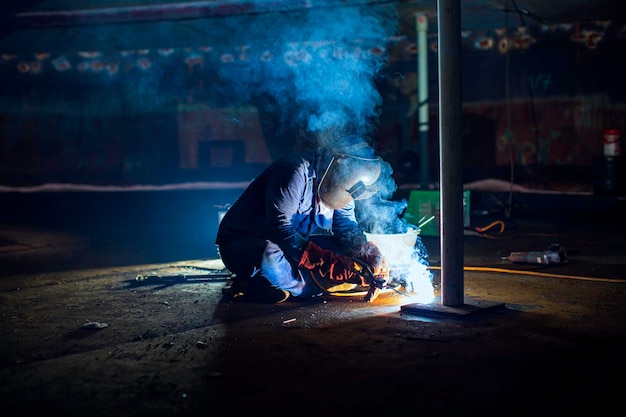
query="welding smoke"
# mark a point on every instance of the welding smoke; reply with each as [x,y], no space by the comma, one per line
[315,68]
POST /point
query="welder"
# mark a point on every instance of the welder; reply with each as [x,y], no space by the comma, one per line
[294,226]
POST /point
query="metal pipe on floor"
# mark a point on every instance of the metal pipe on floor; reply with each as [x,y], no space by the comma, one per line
[450,166]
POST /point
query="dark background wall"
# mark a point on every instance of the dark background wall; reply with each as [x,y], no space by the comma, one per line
[137,105]
[541,99]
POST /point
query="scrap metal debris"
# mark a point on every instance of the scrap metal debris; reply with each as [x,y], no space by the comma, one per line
[94,325]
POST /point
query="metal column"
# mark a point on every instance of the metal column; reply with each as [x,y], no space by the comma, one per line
[450,168]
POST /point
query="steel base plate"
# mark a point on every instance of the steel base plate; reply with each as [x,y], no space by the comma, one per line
[471,309]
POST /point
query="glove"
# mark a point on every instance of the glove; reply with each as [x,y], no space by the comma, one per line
[376,286]
[372,256]
[336,267]
[377,283]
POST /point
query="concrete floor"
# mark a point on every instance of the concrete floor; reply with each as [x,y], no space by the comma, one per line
[179,349]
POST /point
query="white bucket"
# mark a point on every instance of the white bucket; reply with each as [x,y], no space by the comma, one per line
[397,248]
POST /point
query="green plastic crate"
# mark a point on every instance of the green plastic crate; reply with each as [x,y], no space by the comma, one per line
[424,204]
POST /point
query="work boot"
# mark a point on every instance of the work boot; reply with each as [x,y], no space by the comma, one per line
[232,290]
[255,289]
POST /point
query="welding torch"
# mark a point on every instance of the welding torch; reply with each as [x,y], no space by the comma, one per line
[377,283]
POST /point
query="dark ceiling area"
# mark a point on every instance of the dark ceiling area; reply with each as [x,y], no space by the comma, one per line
[50,25]
[475,13]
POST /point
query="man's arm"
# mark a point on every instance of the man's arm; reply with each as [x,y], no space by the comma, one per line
[347,229]
[286,190]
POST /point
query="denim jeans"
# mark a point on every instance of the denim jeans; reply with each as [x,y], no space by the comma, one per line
[251,257]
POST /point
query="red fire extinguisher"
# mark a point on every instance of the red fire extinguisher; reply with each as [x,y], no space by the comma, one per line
[612,139]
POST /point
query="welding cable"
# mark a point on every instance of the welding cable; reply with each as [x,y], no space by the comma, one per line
[490,226]
[534,273]
[335,293]
[480,231]
[350,293]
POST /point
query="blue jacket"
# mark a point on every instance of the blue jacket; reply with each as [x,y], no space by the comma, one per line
[281,205]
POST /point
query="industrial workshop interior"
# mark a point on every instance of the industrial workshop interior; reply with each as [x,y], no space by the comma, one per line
[128,128]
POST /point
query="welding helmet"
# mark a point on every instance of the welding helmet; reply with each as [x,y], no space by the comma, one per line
[351,174]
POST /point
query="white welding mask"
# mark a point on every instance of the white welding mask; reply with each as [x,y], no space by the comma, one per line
[347,178]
